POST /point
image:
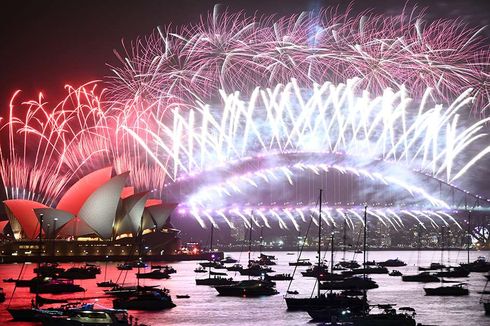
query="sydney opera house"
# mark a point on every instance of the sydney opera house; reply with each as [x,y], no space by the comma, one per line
[98,217]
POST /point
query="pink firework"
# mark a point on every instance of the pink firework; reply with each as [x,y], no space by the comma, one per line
[233,52]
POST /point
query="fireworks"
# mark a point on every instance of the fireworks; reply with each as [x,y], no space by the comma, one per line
[232,52]
[239,117]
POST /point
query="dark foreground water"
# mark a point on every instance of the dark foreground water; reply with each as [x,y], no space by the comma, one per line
[206,308]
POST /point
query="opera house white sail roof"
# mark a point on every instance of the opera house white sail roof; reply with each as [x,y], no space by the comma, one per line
[97,204]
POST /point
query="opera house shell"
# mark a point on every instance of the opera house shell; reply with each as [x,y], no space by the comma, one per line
[97,217]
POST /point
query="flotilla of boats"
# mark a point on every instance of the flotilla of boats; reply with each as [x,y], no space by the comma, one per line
[341,296]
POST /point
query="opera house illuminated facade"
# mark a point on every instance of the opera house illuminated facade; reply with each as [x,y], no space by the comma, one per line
[98,217]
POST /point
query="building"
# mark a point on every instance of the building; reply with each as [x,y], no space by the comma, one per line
[97,217]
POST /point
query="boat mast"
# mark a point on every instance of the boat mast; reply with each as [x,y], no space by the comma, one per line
[261,234]
[468,236]
[365,248]
[211,250]
[345,237]
[319,240]
[331,265]
[249,246]
[211,240]
[41,219]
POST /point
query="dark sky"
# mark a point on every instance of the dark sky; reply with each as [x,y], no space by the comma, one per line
[45,44]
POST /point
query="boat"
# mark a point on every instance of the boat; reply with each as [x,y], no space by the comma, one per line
[301,262]
[348,264]
[149,300]
[79,317]
[433,266]
[290,253]
[9,280]
[235,268]
[183,296]
[279,277]
[387,317]
[57,286]
[200,270]
[392,263]
[265,260]
[31,313]
[367,270]
[106,284]
[32,282]
[229,260]
[332,300]
[316,271]
[248,288]
[351,283]
[125,267]
[424,277]
[80,273]
[453,272]
[217,273]
[480,265]
[213,264]
[48,269]
[335,316]
[165,268]
[129,266]
[34,313]
[453,290]
[155,274]
[395,273]
[255,270]
[121,290]
[215,280]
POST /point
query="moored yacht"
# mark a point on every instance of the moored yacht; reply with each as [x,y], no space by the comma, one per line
[155,299]
[424,277]
[453,290]
[301,262]
[215,280]
[80,317]
[248,288]
[392,263]
[350,283]
[57,286]
[480,265]
[156,274]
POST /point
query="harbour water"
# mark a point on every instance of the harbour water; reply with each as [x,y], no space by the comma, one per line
[204,307]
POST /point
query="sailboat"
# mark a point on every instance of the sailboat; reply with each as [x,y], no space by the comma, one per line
[144,298]
[248,288]
[214,278]
[321,300]
[33,312]
[105,283]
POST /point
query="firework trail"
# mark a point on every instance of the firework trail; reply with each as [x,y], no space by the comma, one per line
[230,52]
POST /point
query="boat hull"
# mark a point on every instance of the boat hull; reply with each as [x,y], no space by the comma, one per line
[24,314]
[306,304]
[147,305]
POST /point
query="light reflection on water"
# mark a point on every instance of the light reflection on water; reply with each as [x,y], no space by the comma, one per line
[206,308]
